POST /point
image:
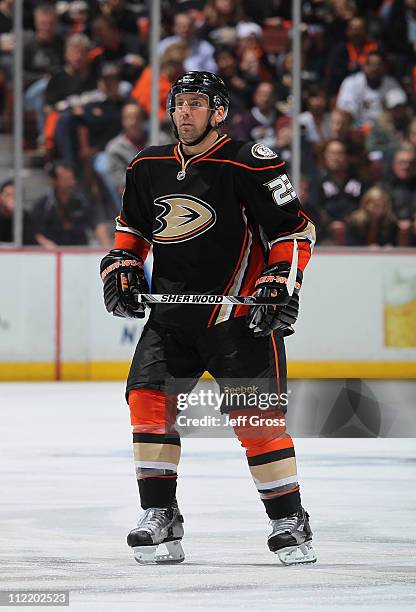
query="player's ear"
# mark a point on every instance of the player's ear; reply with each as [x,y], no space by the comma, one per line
[218,116]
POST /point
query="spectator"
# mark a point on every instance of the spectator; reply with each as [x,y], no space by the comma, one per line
[200,53]
[228,70]
[250,68]
[6,16]
[99,122]
[274,10]
[250,38]
[341,13]
[400,32]
[116,47]
[221,16]
[305,198]
[283,145]
[43,56]
[102,117]
[258,123]
[374,223]
[284,81]
[401,185]
[284,66]
[362,93]
[6,37]
[7,213]
[389,130]
[411,134]
[124,14]
[67,91]
[194,8]
[124,147]
[77,78]
[336,192]
[340,123]
[171,67]
[350,55]
[76,19]
[64,216]
[340,128]
[43,50]
[316,120]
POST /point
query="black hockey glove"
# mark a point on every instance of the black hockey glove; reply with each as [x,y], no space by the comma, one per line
[262,320]
[123,276]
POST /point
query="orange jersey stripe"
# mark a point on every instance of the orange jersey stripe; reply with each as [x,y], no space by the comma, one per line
[149,157]
[228,161]
[213,150]
[283,251]
[131,242]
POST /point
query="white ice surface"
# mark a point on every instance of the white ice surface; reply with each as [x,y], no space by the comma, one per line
[69,497]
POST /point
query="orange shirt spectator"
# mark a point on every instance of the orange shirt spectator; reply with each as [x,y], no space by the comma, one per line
[171,67]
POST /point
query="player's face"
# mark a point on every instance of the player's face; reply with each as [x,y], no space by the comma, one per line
[191,115]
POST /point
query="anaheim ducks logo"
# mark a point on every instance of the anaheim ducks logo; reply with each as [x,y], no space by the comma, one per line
[262,152]
[182,217]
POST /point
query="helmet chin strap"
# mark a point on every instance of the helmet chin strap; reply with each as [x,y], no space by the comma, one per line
[200,138]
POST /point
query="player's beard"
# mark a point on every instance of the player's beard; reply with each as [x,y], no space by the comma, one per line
[189,134]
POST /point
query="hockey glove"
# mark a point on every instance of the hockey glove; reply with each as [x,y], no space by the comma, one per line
[123,276]
[262,320]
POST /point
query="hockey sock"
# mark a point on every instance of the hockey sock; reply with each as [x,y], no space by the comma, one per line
[156,445]
[271,458]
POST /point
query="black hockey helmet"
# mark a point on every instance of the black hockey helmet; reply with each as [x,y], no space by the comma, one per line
[200,82]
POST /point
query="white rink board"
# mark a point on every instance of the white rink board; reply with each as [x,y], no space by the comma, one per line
[93,334]
[27,307]
[341,312]
[342,308]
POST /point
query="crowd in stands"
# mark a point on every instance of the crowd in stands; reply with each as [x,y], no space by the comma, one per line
[87,102]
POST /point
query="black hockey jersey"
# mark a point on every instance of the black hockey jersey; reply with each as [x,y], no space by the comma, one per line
[214,221]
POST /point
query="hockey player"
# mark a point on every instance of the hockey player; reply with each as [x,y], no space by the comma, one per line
[222,218]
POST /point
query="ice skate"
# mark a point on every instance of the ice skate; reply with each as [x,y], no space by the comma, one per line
[291,539]
[156,527]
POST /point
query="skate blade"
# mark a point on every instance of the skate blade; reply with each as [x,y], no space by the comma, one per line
[147,555]
[296,555]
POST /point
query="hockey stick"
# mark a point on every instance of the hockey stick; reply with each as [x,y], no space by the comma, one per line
[291,279]
[204,299]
